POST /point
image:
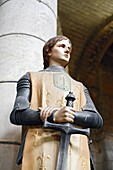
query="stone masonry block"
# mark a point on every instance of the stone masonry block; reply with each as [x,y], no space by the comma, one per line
[23,54]
[29,17]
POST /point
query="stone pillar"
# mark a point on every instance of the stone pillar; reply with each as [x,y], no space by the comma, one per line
[24,27]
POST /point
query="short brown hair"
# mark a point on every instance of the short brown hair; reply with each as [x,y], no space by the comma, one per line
[49,45]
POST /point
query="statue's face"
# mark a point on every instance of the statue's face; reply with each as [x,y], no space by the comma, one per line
[60,53]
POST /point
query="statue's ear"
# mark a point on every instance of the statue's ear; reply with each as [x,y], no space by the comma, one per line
[49,54]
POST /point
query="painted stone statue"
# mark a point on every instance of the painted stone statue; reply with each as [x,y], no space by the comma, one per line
[41,96]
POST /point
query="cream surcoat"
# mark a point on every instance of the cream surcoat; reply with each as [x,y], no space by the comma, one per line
[41,145]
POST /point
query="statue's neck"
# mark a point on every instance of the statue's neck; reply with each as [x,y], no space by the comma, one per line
[55,69]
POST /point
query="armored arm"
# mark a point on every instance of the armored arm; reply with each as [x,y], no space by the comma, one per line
[89,116]
[21,113]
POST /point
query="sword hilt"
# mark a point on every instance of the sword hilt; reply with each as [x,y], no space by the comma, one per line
[67,127]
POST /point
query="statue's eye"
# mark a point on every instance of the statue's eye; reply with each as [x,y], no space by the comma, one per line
[63,45]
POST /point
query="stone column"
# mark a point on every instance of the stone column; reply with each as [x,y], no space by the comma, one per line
[25,25]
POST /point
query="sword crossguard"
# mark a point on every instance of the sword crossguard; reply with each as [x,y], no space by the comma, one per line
[66,128]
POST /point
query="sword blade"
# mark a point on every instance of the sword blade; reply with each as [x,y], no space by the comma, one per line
[66,130]
[63,151]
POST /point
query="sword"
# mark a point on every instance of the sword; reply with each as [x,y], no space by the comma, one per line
[66,130]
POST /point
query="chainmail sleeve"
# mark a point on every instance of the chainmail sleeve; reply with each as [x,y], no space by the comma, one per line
[21,113]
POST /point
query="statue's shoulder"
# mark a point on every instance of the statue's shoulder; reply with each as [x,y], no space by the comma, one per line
[36,72]
[76,82]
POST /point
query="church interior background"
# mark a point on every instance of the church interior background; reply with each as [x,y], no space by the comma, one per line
[89,25]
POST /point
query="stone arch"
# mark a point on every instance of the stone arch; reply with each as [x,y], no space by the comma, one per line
[93,54]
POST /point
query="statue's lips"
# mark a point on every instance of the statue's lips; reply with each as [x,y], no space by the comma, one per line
[66,55]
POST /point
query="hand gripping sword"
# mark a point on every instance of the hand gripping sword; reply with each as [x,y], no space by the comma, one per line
[66,130]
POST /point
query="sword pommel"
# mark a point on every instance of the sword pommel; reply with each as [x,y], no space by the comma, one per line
[70,99]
